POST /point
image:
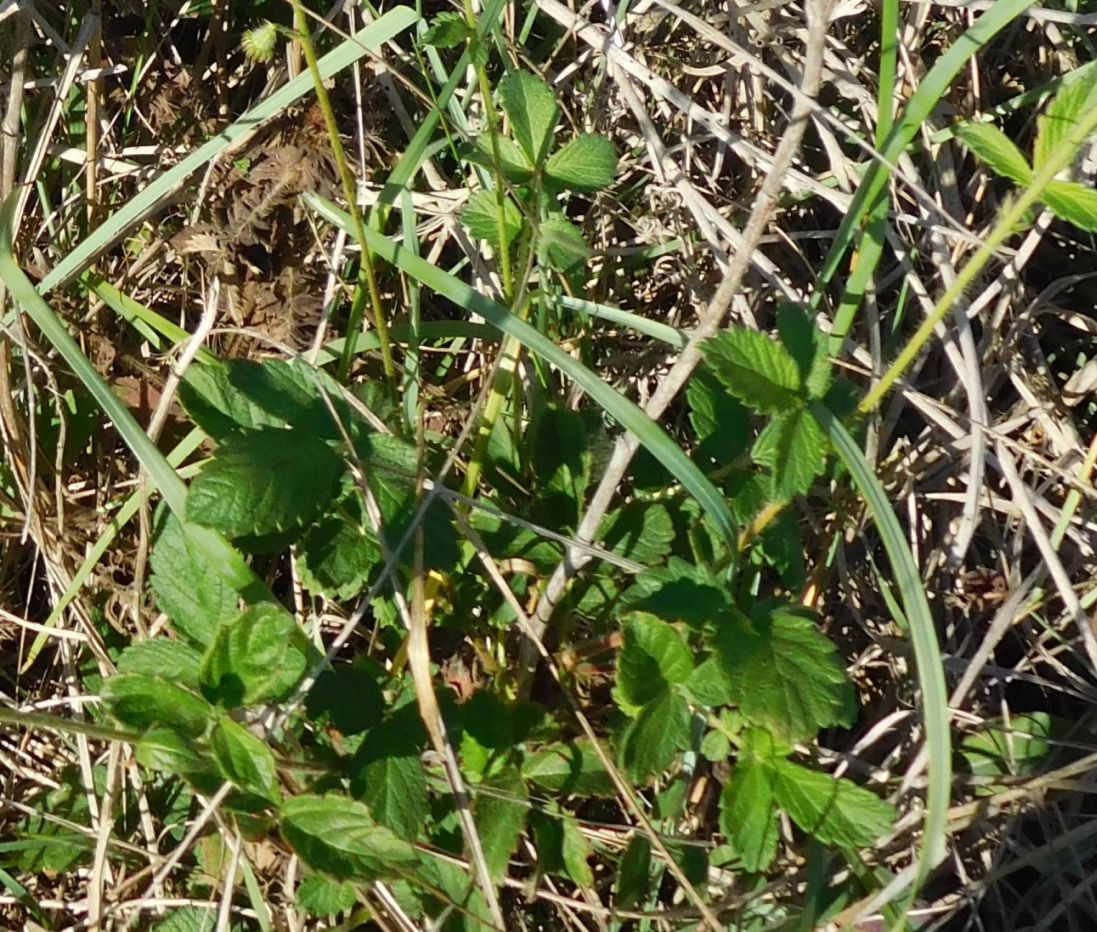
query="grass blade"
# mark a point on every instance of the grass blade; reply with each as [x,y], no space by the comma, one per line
[923,636]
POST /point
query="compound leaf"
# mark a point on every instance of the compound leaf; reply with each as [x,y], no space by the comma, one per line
[794,447]
[481,218]
[1073,202]
[531,108]
[1076,97]
[588,163]
[755,369]
[651,741]
[244,760]
[141,701]
[996,149]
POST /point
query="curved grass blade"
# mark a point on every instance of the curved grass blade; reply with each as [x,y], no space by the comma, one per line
[923,636]
[627,414]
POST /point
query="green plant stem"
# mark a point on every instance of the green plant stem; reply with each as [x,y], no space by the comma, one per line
[65,725]
[367,275]
[497,161]
[1007,223]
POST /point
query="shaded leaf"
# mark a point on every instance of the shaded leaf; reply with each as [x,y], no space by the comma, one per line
[568,769]
[560,244]
[679,591]
[348,697]
[653,657]
[390,780]
[807,345]
[633,874]
[654,737]
[718,419]
[500,818]
[336,557]
[513,162]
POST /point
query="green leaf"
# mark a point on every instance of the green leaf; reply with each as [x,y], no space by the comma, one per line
[336,557]
[633,875]
[561,245]
[794,448]
[807,345]
[655,736]
[758,371]
[835,811]
[531,108]
[513,162]
[162,748]
[215,404]
[1076,97]
[996,149]
[577,850]
[785,674]
[560,459]
[188,588]
[718,419]
[709,685]
[481,218]
[1073,202]
[173,660]
[347,696]
[640,531]
[264,481]
[447,31]
[715,746]
[188,919]
[747,813]
[259,656]
[500,812]
[653,658]
[336,835]
[390,778]
[1017,747]
[140,700]
[244,760]
[572,769]
[678,591]
[587,163]
[325,898]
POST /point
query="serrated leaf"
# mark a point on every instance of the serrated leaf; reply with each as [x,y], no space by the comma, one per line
[560,244]
[325,898]
[653,658]
[500,818]
[755,369]
[291,394]
[1077,96]
[141,701]
[569,769]
[244,760]
[718,419]
[337,835]
[188,919]
[188,589]
[655,736]
[794,448]
[709,685]
[834,811]
[513,162]
[173,660]
[531,108]
[633,876]
[678,591]
[1073,202]
[447,31]
[715,746]
[215,405]
[747,813]
[640,531]
[481,218]
[390,779]
[336,557]
[588,163]
[259,656]
[264,481]
[807,345]
[785,674]
[996,149]
[560,458]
